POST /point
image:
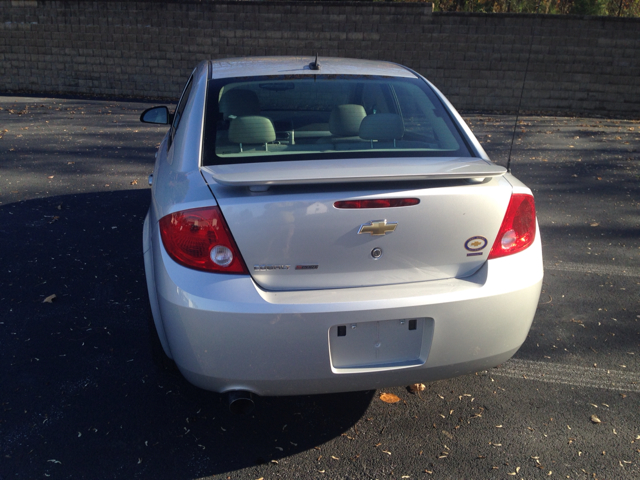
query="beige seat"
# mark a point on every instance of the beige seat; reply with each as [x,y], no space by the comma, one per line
[345,120]
[251,130]
[382,127]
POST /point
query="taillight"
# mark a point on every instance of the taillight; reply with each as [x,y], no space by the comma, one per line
[377,203]
[200,239]
[518,229]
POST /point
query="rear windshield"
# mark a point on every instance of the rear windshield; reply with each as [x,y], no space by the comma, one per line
[325,116]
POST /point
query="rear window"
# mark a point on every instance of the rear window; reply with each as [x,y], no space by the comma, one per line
[325,116]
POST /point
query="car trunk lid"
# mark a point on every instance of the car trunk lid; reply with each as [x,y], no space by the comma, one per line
[292,235]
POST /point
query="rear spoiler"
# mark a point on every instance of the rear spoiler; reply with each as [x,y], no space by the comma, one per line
[351,170]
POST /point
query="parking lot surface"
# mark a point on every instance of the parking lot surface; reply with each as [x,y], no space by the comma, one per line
[81,398]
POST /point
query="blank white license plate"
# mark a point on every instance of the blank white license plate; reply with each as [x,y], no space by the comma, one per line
[389,343]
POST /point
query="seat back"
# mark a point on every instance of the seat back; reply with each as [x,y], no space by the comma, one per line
[382,127]
[345,120]
[252,129]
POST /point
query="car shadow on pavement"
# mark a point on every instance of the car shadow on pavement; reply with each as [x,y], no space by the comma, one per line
[81,395]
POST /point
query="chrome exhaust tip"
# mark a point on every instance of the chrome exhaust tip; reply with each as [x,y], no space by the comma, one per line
[240,402]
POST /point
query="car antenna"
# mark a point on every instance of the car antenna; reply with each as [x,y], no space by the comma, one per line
[524,80]
[315,65]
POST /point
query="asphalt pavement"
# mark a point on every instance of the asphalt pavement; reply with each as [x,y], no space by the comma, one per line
[80,397]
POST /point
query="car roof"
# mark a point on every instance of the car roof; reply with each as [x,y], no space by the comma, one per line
[259,66]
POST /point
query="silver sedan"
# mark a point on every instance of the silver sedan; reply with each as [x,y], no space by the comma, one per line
[332,225]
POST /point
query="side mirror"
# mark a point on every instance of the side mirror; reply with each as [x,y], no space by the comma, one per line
[157,115]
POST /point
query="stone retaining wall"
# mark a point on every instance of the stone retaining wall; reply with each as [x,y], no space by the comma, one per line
[146,49]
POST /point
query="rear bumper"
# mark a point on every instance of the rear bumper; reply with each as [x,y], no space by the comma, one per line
[225,333]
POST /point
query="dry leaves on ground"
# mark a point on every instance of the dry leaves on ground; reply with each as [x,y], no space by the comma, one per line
[389,398]
[50,298]
[416,387]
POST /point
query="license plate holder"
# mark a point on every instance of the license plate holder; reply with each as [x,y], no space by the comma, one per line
[380,345]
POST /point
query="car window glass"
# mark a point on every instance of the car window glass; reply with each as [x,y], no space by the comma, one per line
[376,99]
[297,96]
[420,117]
[323,117]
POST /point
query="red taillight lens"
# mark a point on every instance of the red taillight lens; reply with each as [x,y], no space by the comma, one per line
[518,229]
[200,239]
[377,203]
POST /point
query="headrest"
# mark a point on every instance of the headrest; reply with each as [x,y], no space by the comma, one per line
[345,120]
[382,127]
[252,129]
[239,102]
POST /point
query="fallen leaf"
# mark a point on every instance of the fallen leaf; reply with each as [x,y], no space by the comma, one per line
[135,182]
[416,387]
[389,398]
[595,419]
[50,299]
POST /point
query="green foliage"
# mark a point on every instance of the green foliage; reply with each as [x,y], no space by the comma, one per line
[611,8]
[616,8]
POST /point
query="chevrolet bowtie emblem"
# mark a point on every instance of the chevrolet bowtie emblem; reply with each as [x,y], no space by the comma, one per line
[377,227]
